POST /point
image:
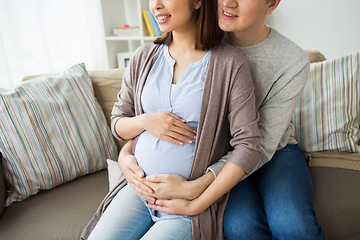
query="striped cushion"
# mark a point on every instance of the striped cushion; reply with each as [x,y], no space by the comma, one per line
[52,130]
[327,117]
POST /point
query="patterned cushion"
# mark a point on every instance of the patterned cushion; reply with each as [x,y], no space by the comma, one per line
[52,130]
[327,117]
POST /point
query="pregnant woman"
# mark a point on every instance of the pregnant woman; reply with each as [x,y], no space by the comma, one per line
[182,98]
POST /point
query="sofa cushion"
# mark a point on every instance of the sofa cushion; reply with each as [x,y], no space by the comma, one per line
[106,85]
[53,131]
[327,117]
[60,213]
[337,201]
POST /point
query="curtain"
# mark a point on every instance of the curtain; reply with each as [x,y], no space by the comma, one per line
[48,36]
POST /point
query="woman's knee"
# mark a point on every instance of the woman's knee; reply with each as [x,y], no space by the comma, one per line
[170,229]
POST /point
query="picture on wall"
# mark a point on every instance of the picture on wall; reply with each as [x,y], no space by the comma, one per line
[123,59]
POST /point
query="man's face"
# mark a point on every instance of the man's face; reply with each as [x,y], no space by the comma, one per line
[242,15]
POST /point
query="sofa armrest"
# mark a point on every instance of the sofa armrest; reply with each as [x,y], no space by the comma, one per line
[2,188]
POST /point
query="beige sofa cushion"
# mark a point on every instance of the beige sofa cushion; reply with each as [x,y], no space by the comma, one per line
[60,213]
[337,201]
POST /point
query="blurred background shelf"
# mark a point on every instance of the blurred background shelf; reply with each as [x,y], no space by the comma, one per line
[123,12]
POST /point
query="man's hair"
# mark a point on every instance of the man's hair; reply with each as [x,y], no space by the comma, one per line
[208,32]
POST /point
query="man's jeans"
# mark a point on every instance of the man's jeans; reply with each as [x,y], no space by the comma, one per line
[275,202]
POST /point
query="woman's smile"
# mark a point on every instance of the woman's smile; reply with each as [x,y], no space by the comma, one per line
[227,14]
[162,18]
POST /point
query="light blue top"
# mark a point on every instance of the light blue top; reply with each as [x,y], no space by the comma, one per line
[184,100]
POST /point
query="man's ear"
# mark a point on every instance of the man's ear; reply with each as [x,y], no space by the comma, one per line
[272,5]
[198,4]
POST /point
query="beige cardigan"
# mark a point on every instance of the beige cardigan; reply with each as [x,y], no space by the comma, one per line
[228,115]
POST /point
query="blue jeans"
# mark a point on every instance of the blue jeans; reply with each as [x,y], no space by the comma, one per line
[275,202]
[127,217]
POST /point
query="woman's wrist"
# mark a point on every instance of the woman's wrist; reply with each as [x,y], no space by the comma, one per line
[189,189]
[195,188]
[143,120]
[197,206]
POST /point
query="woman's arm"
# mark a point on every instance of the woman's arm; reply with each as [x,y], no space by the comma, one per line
[130,127]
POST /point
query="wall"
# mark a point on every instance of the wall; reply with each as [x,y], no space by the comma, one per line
[330,26]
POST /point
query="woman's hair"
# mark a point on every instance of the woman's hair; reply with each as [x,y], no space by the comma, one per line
[208,32]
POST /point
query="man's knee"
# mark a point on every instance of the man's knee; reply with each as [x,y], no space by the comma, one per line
[234,232]
[296,228]
[238,230]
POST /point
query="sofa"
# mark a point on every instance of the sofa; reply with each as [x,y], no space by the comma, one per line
[63,211]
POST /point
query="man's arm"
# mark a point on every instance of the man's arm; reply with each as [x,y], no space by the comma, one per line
[228,177]
[170,186]
[276,113]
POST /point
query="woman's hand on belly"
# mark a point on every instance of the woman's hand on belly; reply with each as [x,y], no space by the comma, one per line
[171,186]
[166,186]
[169,127]
[131,170]
[178,207]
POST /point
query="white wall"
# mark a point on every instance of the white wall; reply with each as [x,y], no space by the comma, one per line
[329,26]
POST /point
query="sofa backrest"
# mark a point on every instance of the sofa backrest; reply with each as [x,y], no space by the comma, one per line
[106,86]
[315,56]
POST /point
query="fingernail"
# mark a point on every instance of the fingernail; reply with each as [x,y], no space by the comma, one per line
[190,141]
[195,131]
[181,143]
[156,202]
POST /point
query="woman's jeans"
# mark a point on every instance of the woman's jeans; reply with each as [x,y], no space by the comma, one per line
[127,217]
[274,202]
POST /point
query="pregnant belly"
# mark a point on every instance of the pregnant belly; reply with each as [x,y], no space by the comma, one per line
[157,156]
